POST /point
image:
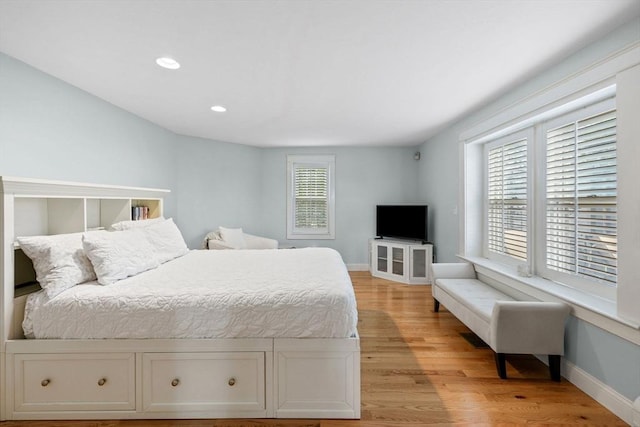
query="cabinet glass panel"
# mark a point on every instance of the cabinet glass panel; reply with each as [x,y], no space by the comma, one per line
[382,259]
[382,264]
[419,263]
[382,251]
[398,261]
[398,254]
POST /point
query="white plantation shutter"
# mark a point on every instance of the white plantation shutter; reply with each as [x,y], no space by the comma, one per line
[550,195]
[311,197]
[310,201]
[507,199]
[581,213]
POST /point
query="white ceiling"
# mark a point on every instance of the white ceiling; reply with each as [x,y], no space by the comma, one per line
[303,73]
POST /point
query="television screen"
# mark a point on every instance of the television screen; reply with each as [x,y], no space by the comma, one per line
[402,222]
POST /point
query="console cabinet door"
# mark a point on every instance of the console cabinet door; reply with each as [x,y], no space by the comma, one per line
[421,257]
[390,260]
[399,261]
[381,258]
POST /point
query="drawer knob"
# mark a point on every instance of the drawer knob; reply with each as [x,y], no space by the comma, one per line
[232,382]
[102,381]
[175,382]
[45,383]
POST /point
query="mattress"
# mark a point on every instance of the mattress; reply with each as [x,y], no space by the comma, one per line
[291,293]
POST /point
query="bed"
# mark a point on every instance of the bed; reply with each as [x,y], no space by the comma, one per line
[169,333]
[303,293]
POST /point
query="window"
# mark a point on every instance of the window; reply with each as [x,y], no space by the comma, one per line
[507,203]
[581,189]
[310,197]
[550,198]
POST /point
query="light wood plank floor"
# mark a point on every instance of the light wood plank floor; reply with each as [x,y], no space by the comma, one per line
[417,370]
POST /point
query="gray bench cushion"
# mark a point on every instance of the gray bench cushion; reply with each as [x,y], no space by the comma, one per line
[474,294]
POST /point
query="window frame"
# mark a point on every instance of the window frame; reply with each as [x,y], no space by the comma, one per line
[590,285]
[327,161]
[526,134]
[536,209]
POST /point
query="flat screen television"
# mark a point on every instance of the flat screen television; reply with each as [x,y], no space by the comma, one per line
[402,222]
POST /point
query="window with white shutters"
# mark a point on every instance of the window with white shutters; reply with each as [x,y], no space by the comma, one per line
[541,197]
[311,197]
[581,189]
[310,201]
[507,199]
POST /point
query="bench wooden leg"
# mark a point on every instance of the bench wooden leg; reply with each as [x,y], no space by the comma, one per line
[554,367]
[436,305]
[501,365]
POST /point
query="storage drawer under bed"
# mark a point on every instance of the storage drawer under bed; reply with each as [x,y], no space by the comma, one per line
[227,381]
[78,382]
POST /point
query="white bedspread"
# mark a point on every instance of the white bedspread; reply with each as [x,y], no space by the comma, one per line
[209,294]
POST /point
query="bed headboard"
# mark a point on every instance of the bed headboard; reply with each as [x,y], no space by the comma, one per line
[30,207]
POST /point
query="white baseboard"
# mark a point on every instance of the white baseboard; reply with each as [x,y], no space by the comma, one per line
[599,391]
[358,267]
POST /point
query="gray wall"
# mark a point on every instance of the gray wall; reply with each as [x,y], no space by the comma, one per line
[438,186]
[52,130]
[231,185]
[605,356]
[608,358]
[365,177]
[218,184]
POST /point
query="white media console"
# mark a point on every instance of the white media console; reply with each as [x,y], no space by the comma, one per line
[401,260]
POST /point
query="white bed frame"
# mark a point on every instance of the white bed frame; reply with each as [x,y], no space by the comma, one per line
[138,379]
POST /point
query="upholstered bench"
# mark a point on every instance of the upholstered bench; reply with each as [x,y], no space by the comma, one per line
[506,325]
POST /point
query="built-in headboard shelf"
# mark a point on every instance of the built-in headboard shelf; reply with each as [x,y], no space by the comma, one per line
[40,187]
[30,207]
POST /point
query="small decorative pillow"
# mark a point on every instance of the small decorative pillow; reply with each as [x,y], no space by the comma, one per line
[118,255]
[59,261]
[166,240]
[217,244]
[128,225]
[234,237]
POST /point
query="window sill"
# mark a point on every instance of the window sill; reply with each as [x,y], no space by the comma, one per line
[596,310]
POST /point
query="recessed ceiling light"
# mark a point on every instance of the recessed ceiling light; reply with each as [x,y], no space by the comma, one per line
[218,109]
[166,62]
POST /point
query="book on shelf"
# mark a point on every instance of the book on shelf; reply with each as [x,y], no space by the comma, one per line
[139,213]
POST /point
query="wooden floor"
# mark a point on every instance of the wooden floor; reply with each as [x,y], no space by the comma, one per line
[417,370]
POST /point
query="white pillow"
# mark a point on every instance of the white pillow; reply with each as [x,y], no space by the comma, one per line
[166,240]
[59,261]
[128,225]
[118,255]
[234,237]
